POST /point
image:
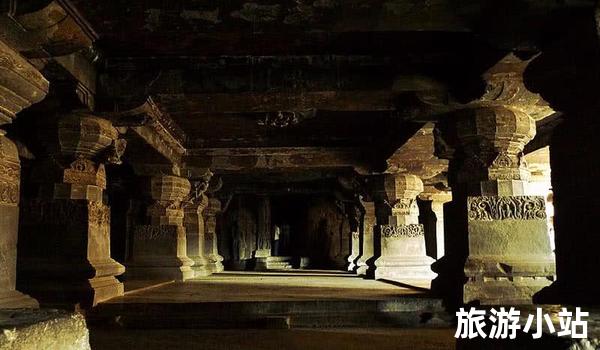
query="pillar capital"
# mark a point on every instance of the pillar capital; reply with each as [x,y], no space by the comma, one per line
[78,145]
[22,84]
[167,193]
[401,192]
[485,145]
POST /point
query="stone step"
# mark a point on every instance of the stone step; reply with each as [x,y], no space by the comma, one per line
[401,312]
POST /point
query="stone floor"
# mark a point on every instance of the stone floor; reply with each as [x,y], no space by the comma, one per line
[300,309]
[267,286]
[274,339]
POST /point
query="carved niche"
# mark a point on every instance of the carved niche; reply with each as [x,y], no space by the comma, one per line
[488,208]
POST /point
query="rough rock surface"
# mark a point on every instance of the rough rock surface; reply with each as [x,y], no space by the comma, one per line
[23,329]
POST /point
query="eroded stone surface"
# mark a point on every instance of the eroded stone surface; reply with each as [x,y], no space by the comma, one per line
[42,329]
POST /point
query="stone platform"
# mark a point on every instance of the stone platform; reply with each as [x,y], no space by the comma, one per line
[281,300]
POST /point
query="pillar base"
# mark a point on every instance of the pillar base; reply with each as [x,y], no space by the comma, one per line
[16,300]
[502,281]
[518,291]
[261,263]
[159,273]
[363,269]
[215,265]
[352,263]
[200,266]
[405,269]
[68,285]
[73,294]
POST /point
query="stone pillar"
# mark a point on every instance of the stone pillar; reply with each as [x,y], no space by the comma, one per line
[21,85]
[263,235]
[367,238]
[403,257]
[215,261]
[354,217]
[9,223]
[66,230]
[194,227]
[500,233]
[432,214]
[159,246]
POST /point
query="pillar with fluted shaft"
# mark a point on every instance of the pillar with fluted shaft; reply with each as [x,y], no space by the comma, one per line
[403,257]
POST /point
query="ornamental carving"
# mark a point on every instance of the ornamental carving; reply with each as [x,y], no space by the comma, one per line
[63,212]
[99,214]
[405,206]
[115,151]
[85,172]
[506,207]
[9,192]
[412,230]
[154,232]
[10,60]
[503,160]
[9,172]
[165,208]
[283,119]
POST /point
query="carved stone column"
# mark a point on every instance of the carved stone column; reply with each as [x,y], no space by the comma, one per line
[194,227]
[215,261]
[367,238]
[354,217]
[499,230]
[9,223]
[159,245]
[264,227]
[403,257]
[193,220]
[21,85]
[65,252]
[432,217]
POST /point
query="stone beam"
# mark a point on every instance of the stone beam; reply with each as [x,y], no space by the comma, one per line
[358,100]
[156,128]
[58,41]
[500,85]
[281,158]
[416,156]
[46,28]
